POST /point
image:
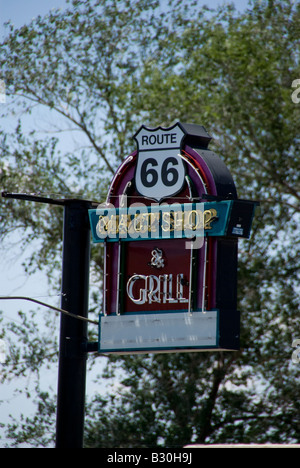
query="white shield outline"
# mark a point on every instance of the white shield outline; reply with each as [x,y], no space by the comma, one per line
[159,156]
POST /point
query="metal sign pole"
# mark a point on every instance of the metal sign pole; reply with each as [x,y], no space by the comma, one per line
[73,333]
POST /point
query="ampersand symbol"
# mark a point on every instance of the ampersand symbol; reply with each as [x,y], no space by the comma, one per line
[157,261]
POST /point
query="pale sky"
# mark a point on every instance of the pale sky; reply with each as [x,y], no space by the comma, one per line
[21,12]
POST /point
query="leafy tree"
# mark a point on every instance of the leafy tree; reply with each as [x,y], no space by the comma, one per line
[102,69]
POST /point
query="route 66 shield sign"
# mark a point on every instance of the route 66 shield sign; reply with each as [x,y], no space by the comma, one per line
[160,171]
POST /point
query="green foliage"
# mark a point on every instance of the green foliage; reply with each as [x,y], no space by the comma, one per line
[38,430]
[98,71]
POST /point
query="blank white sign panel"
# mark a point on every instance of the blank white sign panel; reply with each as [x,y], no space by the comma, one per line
[161,331]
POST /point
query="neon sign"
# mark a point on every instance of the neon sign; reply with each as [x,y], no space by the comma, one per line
[159,222]
[170,228]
